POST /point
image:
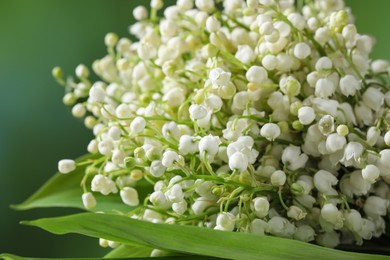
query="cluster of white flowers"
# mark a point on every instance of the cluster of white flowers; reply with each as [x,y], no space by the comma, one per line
[257,116]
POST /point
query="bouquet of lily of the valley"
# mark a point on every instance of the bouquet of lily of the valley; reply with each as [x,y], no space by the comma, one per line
[235,129]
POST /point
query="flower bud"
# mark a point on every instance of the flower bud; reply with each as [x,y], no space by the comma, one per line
[225,221]
[278,178]
[261,206]
[270,131]
[256,74]
[296,213]
[302,50]
[376,206]
[306,115]
[370,173]
[138,125]
[89,200]
[304,233]
[238,161]
[66,166]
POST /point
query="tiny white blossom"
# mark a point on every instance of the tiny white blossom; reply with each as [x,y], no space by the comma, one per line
[219,77]
[278,178]
[270,131]
[373,98]
[349,85]
[335,142]
[212,24]
[129,196]
[225,221]
[89,200]
[175,194]
[352,153]
[188,145]
[197,112]
[157,169]
[103,184]
[66,166]
[168,158]
[293,159]
[376,206]
[306,115]
[296,213]
[302,50]
[261,206]
[209,144]
[281,227]
[323,181]
[370,173]
[330,213]
[256,74]
[138,125]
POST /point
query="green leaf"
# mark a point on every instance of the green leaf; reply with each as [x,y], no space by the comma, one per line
[191,240]
[129,251]
[63,190]
[14,257]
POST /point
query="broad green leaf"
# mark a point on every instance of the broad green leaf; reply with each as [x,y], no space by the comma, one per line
[63,190]
[129,251]
[126,250]
[14,257]
[191,240]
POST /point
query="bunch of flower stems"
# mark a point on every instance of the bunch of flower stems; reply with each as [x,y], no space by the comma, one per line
[256,116]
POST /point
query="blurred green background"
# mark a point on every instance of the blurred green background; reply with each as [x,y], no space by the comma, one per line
[36,130]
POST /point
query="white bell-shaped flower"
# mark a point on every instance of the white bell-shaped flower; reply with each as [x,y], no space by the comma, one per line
[376,206]
[278,178]
[188,145]
[103,184]
[331,214]
[256,74]
[129,196]
[168,158]
[225,221]
[138,125]
[261,206]
[270,131]
[306,115]
[352,153]
[89,200]
[209,144]
[66,166]
[293,159]
[219,77]
[238,161]
[323,181]
[175,194]
[370,173]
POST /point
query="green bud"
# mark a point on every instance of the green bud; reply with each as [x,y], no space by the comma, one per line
[217,190]
[297,189]
[294,107]
[57,73]
[91,170]
[145,98]
[199,97]
[139,153]
[293,87]
[69,99]
[297,125]
[245,178]
[90,122]
[283,125]
[342,130]
[153,154]
[212,50]
[129,162]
